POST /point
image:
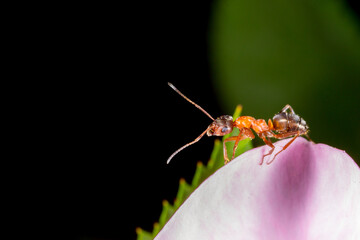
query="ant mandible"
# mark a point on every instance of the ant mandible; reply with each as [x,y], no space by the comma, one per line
[284,124]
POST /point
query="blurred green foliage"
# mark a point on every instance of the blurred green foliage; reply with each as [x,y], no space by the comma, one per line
[266,54]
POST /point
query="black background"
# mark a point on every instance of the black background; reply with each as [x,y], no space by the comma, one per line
[116,121]
[121,120]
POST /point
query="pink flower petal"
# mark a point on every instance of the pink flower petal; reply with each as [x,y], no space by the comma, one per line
[311,191]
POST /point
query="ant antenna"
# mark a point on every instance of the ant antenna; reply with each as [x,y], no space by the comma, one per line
[201,135]
[186,145]
[176,90]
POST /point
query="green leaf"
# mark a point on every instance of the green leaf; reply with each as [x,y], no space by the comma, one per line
[202,172]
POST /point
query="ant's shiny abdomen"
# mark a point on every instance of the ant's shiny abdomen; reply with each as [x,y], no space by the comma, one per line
[289,122]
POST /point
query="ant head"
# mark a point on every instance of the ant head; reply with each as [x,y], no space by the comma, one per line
[221,126]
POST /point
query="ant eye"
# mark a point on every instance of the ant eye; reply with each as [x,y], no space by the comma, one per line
[224,129]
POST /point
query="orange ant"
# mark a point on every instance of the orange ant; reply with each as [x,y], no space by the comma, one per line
[284,124]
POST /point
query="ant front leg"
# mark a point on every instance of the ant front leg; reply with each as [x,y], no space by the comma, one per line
[244,133]
[226,158]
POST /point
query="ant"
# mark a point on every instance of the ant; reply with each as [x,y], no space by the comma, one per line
[284,124]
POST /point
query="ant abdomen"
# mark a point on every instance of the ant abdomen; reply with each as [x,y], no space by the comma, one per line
[280,122]
[289,122]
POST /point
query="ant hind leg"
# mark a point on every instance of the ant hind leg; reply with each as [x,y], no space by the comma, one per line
[267,142]
[286,146]
[307,136]
[288,107]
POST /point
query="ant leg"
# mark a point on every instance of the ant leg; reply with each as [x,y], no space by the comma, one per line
[244,133]
[286,135]
[288,107]
[287,145]
[226,158]
[267,142]
[307,136]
